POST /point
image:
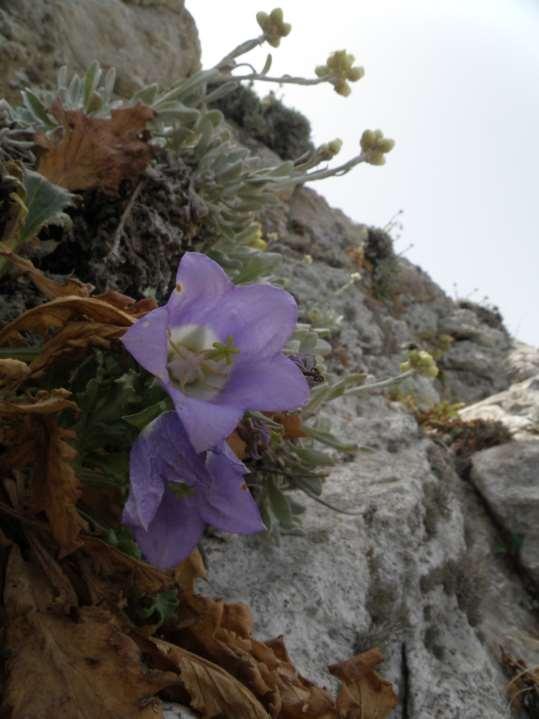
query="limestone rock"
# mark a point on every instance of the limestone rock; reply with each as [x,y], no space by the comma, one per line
[146,42]
[508,479]
[319,244]
[177,711]
[523,360]
[410,574]
[517,408]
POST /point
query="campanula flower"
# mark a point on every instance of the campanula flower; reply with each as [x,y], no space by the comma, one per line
[217,350]
[175,493]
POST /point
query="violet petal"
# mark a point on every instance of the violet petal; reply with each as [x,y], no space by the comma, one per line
[146,340]
[173,534]
[276,384]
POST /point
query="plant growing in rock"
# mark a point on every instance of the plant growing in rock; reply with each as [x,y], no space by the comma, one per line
[230,184]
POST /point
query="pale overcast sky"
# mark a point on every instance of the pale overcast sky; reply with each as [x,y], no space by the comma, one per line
[456,84]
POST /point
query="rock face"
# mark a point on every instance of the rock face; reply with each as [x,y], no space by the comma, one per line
[414,573]
[508,479]
[150,41]
[517,408]
[394,305]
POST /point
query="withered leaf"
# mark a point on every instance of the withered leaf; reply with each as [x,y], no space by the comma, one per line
[44,403]
[364,694]
[47,286]
[213,691]
[188,571]
[117,566]
[59,667]
[222,632]
[12,371]
[75,337]
[56,313]
[135,308]
[96,153]
[55,486]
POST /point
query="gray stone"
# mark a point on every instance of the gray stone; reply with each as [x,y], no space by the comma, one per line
[147,42]
[405,574]
[517,408]
[508,479]
[523,361]
[177,711]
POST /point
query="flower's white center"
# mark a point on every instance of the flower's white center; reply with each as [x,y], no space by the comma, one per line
[198,364]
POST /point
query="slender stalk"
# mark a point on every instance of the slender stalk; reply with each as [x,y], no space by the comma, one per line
[380,385]
[241,49]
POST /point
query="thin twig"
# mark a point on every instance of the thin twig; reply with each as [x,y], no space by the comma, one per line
[120,229]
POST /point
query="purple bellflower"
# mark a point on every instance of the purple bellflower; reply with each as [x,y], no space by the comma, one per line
[176,492]
[217,350]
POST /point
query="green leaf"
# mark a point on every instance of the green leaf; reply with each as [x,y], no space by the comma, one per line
[163,606]
[46,203]
[148,414]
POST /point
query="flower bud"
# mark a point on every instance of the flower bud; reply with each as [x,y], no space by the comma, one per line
[422,362]
[273,26]
[375,146]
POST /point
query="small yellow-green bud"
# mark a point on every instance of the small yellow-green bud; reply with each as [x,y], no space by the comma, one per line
[340,70]
[422,362]
[375,146]
[257,241]
[273,26]
[328,150]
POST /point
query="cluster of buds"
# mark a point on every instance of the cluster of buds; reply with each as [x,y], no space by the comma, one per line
[329,150]
[340,71]
[422,363]
[273,26]
[375,146]
[257,240]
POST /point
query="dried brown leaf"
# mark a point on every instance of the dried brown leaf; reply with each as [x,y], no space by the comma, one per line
[364,694]
[44,403]
[136,308]
[124,570]
[56,313]
[75,338]
[188,571]
[55,486]
[96,153]
[49,287]
[12,371]
[222,632]
[81,669]
[213,691]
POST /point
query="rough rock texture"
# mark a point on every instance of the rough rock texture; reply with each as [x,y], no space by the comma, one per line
[517,408]
[524,361]
[508,479]
[381,319]
[412,573]
[145,41]
[175,711]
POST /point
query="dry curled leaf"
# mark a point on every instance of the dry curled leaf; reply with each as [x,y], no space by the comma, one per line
[123,570]
[44,403]
[56,313]
[188,571]
[213,692]
[96,153]
[83,668]
[55,486]
[364,694]
[48,287]
[12,371]
[75,337]
[222,632]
